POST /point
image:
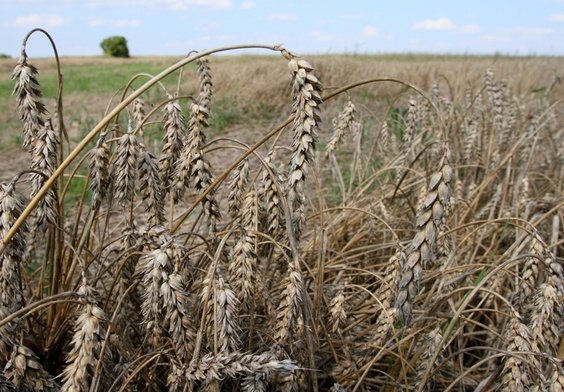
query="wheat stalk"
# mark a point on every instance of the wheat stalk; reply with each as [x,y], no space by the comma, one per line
[129,251]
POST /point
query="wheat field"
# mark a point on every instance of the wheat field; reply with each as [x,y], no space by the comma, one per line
[282,223]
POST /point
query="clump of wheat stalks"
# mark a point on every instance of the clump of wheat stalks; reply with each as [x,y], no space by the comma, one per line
[427,256]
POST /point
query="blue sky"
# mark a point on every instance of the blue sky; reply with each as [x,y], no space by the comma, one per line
[175,27]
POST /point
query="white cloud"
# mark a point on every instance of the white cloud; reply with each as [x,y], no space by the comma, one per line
[351,17]
[530,32]
[127,23]
[38,20]
[371,31]
[95,22]
[319,36]
[206,25]
[166,4]
[469,29]
[495,38]
[556,18]
[247,5]
[186,4]
[434,24]
[281,17]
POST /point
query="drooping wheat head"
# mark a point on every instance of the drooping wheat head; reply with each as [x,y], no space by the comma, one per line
[86,343]
[205,80]
[125,165]
[344,123]
[173,141]
[238,188]
[12,262]
[99,171]
[28,99]
[515,375]
[306,92]
[24,372]
[44,155]
[151,187]
[422,251]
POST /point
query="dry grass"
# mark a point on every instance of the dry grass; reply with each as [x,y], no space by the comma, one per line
[416,244]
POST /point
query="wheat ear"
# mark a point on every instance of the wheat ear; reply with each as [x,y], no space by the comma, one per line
[151,187]
[515,373]
[306,91]
[44,154]
[28,99]
[125,167]
[221,306]
[138,115]
[99,170]
[237,188]
[25,372]
[290,307]
[337,309]
[193,165]
[212,367]
[432,344]
[344,124]
[386,292]
[243,271]
[174,124]
[547,312]
[271,198]
[205,81]
[166,304]
[11,261]
[421,253]
[86,344]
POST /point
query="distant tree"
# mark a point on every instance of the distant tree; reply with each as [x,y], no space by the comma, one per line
[4,56]
[115,46]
